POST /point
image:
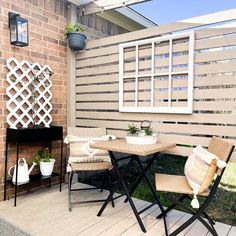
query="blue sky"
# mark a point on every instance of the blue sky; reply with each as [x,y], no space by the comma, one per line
[167,11]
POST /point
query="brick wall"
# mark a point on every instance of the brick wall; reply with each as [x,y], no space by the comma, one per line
[47,45]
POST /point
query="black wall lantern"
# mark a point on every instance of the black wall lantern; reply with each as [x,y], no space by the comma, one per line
[18,30]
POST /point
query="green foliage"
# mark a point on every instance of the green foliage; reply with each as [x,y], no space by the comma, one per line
[73,28]
[42,155]
[132,129]
[39,77]
[148,131]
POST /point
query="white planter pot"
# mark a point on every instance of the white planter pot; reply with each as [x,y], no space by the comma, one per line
[142,140]
[46,168]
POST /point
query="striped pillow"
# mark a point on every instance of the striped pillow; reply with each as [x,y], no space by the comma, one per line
[80,150]
[200,169]
[83,149]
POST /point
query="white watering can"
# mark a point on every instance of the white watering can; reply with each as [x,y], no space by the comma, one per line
[23,172]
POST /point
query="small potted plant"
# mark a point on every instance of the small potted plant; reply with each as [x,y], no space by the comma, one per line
[148,131]
[142,136]
[75,37]
[45,161]
[133,130]
[35,93]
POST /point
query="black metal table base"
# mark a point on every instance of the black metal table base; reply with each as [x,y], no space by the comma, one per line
[121,182]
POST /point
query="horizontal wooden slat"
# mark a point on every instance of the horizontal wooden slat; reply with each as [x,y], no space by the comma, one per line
[198,81]
[215,68]
[198,69]
[150,32]
[198,94]
[97,79]
[198,118]
[199,45]
[173,128]
[199,58]
[182,151]
[200,105]
[155,31]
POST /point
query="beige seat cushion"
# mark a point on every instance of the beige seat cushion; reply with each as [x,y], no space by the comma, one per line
[81,156]
[174,183]
[91,166]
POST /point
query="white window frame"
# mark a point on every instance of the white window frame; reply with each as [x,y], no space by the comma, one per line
[151,109]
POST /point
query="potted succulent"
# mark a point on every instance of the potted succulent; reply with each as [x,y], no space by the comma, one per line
[44,159]
[75,37]
[141,136]
[132,130]
[148,131]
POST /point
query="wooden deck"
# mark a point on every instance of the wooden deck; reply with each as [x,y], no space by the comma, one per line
[45,212]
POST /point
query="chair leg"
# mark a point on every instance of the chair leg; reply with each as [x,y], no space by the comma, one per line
[171,207]
[70,177]
[110,186]
[104,182]
[196,216]
[204,214]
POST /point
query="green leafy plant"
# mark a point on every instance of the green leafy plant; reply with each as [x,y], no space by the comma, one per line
[42,155]
[132,129]
[34,92]
[73,28]
[148,131]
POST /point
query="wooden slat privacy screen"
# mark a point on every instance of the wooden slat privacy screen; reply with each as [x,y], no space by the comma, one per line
[214,95]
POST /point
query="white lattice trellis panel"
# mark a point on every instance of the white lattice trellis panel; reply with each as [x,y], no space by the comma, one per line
[29,98]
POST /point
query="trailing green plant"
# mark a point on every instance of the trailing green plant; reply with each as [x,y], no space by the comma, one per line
[73,28]
[34,93]
[148,131]
[42,155]
[132,129]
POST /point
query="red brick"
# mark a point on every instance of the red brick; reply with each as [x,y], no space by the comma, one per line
[43,24]
[50,40]
[20,10]
[50,15]
[39,17]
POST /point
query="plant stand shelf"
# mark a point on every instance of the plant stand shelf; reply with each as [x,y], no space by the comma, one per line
[22,136]
[35,178]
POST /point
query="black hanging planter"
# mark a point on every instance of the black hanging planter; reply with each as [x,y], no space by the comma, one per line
[76,41]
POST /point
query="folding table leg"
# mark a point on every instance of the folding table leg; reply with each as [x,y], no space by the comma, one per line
[153,191]
[141,176]
[120,180]
[116,186]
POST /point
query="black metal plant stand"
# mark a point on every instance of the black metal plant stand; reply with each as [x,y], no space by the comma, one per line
[20,136]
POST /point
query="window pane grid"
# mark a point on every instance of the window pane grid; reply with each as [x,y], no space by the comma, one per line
[156,61]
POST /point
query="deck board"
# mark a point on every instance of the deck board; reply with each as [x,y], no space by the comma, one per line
[45,212]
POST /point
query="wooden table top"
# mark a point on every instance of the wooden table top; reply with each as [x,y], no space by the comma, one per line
[122,146]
